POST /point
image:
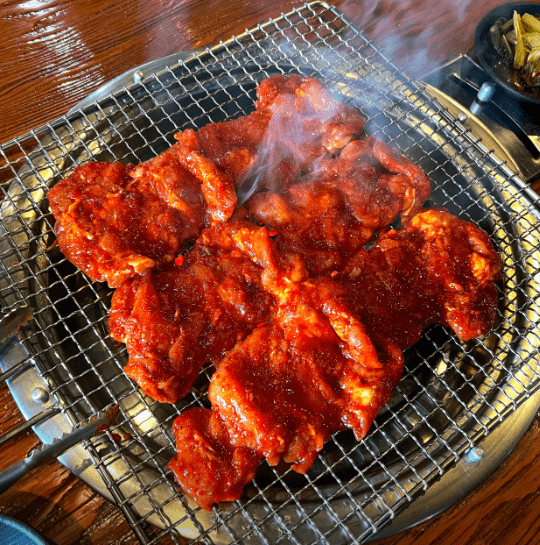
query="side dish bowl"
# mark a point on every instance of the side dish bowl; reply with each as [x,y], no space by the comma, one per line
[500,70]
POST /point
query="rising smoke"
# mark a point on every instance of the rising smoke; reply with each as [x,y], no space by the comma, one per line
[419,34]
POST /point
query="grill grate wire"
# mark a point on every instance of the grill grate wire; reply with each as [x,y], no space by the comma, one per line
[452,393]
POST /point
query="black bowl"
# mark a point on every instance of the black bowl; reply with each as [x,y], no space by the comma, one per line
[489,59]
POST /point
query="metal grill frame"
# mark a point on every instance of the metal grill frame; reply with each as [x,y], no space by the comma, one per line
[452,393]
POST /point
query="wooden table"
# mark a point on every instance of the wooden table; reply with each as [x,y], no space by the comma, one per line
[55,52]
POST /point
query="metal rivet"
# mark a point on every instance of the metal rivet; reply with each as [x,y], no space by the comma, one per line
[462,117]
[475,454]
[138,76]
[40,395]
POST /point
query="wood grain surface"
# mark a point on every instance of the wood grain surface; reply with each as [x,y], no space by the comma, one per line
[54,53]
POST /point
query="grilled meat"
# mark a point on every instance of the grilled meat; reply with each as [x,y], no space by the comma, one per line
[176,320]
[310,371]
[437,269]
[330,124]
[215,470]
[304,325]
[327,218]
[332,353]
[117,221]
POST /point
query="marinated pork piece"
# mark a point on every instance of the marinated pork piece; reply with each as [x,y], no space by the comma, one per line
[218,471]
[116,221]
[437,269]
[306,126]
[233,145]
[328,218]
[304,326]
[331,123]
[175,321]
[310,371]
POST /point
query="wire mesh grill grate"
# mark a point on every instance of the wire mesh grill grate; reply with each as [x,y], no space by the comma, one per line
[452,393]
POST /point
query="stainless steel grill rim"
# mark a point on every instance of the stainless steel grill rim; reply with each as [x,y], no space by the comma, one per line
[452,393]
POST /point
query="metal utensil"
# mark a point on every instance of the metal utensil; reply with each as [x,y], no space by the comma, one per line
[12,474]
[13,321]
